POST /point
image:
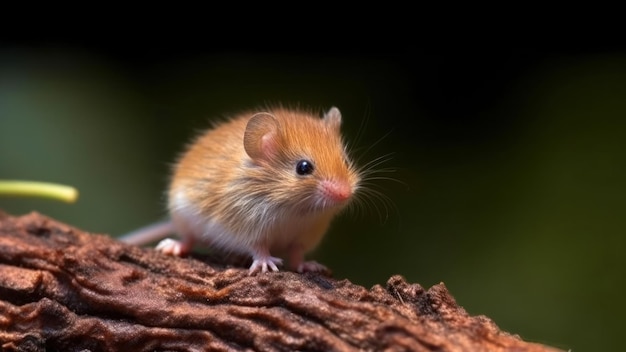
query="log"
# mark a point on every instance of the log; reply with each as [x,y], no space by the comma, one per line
[63,289]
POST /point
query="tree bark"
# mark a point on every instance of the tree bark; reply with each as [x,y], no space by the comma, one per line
[62,289]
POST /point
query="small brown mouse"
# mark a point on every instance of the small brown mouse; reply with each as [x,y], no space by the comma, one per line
[265,182]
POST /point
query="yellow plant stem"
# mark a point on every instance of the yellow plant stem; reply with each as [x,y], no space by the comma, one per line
[38,189]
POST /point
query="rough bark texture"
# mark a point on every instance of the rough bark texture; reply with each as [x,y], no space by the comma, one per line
[62,289]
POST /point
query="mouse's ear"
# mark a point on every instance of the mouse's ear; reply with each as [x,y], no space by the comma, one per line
[333,117]
[261,139]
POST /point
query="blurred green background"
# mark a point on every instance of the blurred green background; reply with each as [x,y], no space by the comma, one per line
[510,166]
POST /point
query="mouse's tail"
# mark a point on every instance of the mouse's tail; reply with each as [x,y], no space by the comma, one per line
[148,234]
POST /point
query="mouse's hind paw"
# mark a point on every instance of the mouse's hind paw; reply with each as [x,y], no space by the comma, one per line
[172,247]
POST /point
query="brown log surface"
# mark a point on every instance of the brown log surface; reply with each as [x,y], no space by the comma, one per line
[62,289]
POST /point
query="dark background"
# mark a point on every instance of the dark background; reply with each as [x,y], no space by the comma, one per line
[509,161]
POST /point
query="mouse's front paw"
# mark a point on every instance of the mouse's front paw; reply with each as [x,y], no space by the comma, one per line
[311,266]
[265,262]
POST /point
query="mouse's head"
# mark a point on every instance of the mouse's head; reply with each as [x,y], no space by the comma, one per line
[301,159]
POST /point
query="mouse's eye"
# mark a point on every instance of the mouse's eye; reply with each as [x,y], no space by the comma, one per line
[304,167]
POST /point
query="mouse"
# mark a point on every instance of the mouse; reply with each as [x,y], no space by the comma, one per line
[265,183]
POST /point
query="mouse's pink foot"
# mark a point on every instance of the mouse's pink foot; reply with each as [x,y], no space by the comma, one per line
[311,267]
[263,262]
[173,247]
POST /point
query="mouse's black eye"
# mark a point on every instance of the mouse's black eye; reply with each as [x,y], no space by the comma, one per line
[304,167]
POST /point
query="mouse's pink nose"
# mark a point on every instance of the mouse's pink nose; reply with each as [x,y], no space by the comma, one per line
[337,191]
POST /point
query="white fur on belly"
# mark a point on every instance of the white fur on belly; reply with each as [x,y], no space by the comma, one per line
[284,231]
[203,229]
